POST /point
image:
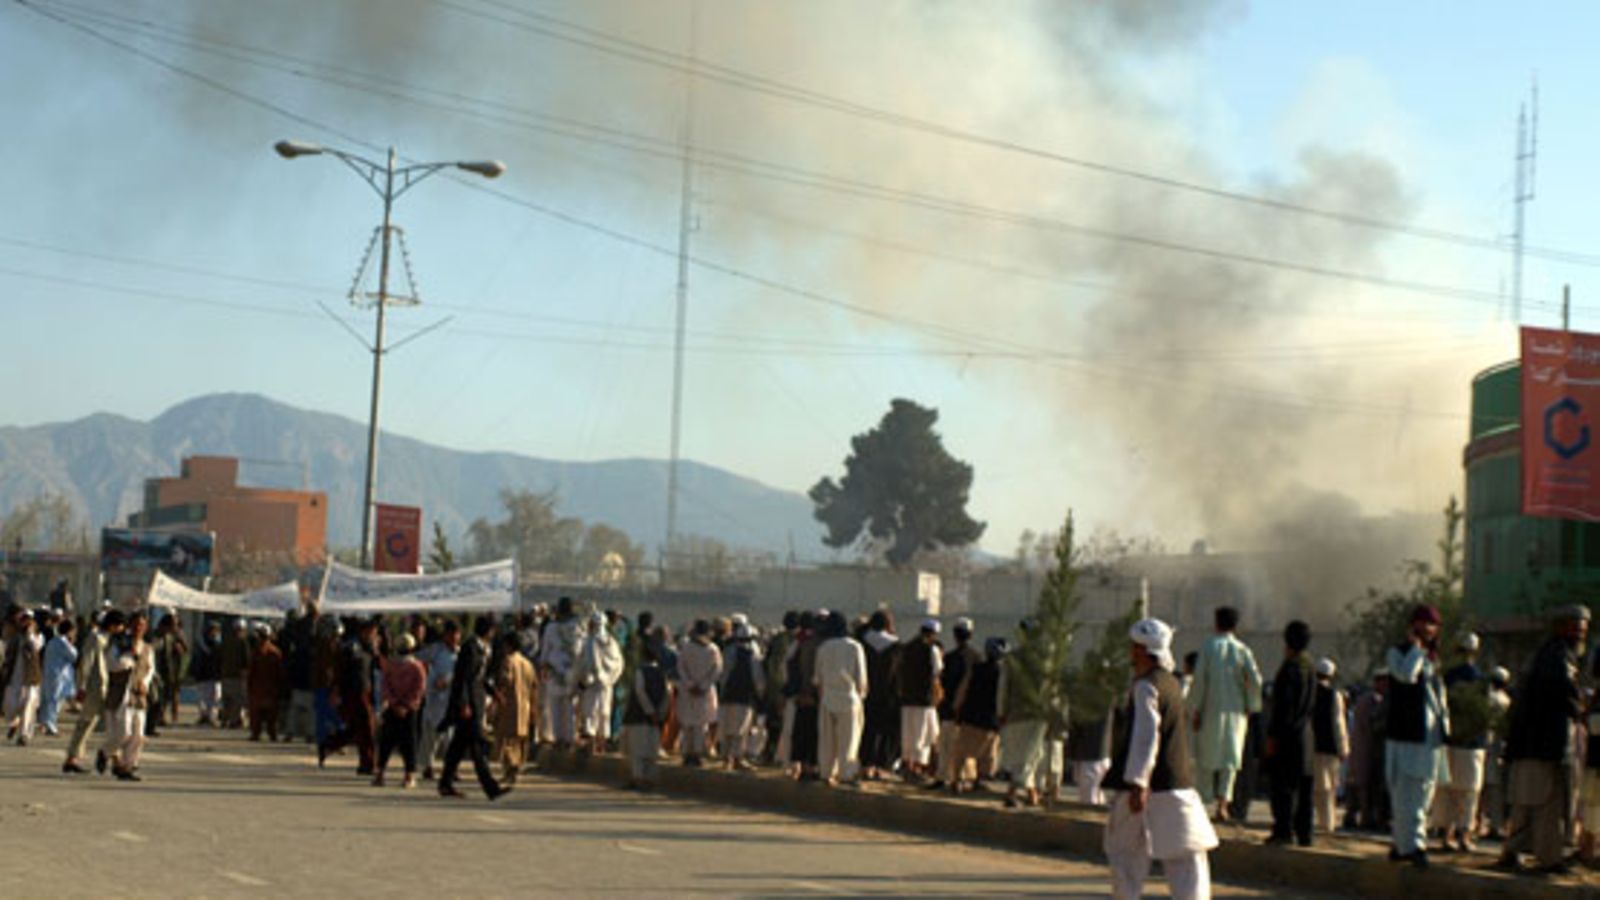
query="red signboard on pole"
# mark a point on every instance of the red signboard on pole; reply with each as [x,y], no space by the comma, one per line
[398,539]
[1560,400]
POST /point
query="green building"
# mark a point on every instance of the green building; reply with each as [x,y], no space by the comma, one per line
[1516,566]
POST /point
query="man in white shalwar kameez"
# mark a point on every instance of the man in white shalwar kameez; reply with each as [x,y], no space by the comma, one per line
[598,670]
[699,668]
[558,652]
[1155,811]
[23,668]
[1226,690]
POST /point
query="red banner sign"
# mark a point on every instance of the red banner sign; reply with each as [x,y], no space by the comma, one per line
[1560,418]
[398,539]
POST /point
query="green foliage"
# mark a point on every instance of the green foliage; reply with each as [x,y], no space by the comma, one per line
[441,557]
[1105,671]
[1036,671]
[543,541]
[1471,714]
[902,492]
[1380,620]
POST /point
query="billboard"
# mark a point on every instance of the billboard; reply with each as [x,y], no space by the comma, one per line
[181,554]
[1560,397]
[397,539]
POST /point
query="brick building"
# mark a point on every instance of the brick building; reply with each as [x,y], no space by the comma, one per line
[207,496]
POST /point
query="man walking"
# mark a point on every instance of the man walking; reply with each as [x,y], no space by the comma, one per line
[1226,690]
[1155,810]
[1418,723]
[133,668]
[94,676]
[60,659]
[1539,747]
[1289,739]
[22,673]
[436,713]
[469,702]
[403,684]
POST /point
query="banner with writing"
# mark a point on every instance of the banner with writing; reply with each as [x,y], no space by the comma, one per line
[272,602]
[491,587]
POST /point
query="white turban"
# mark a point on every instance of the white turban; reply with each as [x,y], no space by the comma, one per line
[1326,667]
[1470,643]
[1156,637]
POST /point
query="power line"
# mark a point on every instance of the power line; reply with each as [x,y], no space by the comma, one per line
[937,330]
[794,175]
[610,44]
[757,344]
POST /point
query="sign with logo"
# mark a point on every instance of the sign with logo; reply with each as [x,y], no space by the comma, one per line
[397,539]
[1560,415]
[181,554]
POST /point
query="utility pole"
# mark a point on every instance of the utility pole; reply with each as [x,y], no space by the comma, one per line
[1566,307]
[1526,159]
[381,177]
[377,366]
[685,228]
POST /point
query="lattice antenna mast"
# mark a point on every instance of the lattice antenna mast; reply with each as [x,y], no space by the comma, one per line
[685,229]
[1527,168]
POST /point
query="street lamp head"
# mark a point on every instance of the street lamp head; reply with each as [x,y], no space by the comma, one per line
[291,149]
[490,168]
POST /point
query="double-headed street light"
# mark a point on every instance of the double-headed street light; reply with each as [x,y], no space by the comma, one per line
[382,177]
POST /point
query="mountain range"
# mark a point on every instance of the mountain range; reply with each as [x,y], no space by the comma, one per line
[100,463]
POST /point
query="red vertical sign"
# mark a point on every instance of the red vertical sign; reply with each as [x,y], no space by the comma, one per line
[398,539]
[1560,400]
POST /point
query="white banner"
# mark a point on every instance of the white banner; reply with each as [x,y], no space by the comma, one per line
[272,602]
[491,587]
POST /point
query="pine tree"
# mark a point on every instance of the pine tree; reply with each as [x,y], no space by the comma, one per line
[1105,671]
[441,557]
[1036,672]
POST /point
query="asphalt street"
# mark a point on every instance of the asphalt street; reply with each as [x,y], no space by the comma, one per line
[220,816]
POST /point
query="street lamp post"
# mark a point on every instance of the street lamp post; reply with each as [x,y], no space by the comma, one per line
[382,178]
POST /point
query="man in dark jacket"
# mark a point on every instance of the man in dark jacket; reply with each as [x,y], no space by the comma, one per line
[354,683]
[958,665]
[1289,739]
[469,697]
[1539,746]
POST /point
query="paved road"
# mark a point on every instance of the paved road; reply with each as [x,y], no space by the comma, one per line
[218,816]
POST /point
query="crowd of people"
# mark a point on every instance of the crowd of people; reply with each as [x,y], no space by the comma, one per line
[1435,750]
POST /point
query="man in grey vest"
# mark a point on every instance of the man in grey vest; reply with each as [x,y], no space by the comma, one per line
[1155,810]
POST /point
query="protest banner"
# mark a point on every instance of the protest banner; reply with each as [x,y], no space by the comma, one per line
[272,602]
[491,587]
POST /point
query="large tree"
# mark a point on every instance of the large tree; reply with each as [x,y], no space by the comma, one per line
[902,492]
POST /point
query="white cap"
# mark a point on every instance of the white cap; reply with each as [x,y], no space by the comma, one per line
[1155,636]
[1470,642]
[930,625]
[964,624]
[1326,667]
[1499,673]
